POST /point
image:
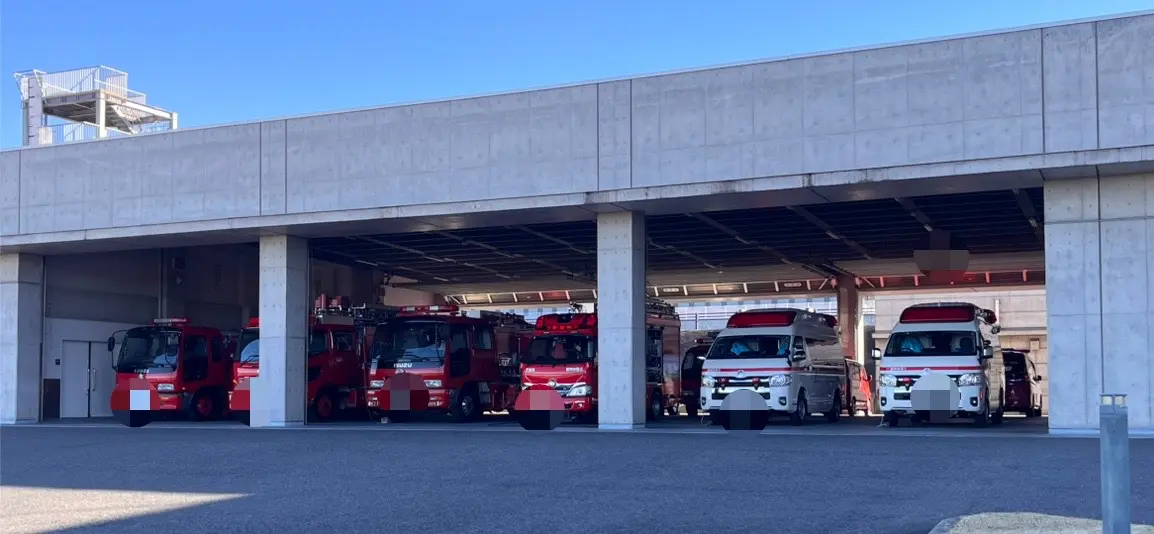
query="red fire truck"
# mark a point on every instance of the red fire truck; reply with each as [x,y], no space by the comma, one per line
[188,365]
[459,357]
[337,344]
[563,355]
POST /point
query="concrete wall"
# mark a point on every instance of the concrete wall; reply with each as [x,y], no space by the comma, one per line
[1011,94]
[1100,299]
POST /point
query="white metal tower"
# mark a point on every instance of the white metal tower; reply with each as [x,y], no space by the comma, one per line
[88,103]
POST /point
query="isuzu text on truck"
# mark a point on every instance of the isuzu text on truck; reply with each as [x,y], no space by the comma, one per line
[459,357]
[563,356]
[792,358]
[336,355]
[188,365]
[954,339]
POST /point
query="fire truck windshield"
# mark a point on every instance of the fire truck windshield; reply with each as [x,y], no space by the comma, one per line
[550,350]
[748,347]
[248,346]
[149,349]
[410,340]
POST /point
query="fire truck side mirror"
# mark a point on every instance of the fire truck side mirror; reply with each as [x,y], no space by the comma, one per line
[111,343]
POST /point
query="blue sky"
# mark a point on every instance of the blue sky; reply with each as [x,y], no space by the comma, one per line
[216,62]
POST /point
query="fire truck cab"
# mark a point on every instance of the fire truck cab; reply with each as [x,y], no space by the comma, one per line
[792,358]
[563,356]
[955,339]
[188,365]
[459,357]
[337,345]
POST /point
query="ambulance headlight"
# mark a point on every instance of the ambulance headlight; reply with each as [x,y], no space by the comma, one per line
[708,381]
[580,390]
[780,380]
[376,384]
[165,388]
[889,381]
[970,379]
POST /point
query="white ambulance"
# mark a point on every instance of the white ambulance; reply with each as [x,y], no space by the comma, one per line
[791,357]
[945,356]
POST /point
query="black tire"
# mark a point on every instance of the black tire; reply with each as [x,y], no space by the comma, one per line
[196,410]
[851,410]
[466,405]
[892,419]
[656,408]
[800,410]
[998,416]
[982,420]
[324,407]
[834,413]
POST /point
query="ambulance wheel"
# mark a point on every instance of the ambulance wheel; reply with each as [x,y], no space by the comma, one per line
[851,411]
[891,419]
[1001,413]
[834,413]
[982,420]
[800,411]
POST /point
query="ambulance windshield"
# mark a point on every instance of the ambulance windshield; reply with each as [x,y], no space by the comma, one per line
[748,347]
[951,343]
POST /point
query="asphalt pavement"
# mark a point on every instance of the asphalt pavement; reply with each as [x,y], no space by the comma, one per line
[179,478]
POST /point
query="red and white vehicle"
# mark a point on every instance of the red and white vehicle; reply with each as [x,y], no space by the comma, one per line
[458,356]
[955,339]
[563,355]
[187,364]
[336,355]
[792,358]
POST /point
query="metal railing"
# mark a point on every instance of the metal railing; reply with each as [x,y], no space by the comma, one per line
[100,78]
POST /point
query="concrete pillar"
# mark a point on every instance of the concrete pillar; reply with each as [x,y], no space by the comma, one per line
[849,317]
[278,394]
[21,331]
[621,320]
[1100,298]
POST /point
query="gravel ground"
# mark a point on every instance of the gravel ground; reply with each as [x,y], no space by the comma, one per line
[106,478]
[1026,523]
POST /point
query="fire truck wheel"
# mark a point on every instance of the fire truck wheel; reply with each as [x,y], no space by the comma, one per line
[466,406]
[800,411]
[324,406]
[203,406]
[834,413]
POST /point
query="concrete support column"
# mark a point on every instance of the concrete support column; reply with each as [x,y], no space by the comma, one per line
[621,320]
[849,317]
[21,331]
[278,394]
[1100,298]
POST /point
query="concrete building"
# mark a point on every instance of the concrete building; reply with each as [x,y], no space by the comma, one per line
[1060,109]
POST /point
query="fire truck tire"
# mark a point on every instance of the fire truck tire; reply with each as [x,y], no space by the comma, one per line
[834,413]
[800,411]
[324,406]
[466,405]
[203,406]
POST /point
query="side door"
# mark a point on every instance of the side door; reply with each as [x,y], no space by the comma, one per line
[194,366]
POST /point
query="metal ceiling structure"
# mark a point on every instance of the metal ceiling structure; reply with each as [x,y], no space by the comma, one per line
[813,241]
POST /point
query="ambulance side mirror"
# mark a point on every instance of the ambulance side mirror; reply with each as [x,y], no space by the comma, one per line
[987,353]
[876,354]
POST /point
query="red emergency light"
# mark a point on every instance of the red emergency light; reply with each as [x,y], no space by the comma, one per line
[945,314]
[756,319]
[165,321]
[441,308]
[253,322]
[554,322]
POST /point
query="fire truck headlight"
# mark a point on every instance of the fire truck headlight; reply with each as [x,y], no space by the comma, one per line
[376,384]
[580,390]
[433,384]
[708,381]
[780,380]
[889,381]
[970,379]
[165,388]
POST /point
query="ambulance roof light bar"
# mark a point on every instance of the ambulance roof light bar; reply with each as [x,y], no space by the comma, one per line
[168,321]
[946,312]
[761,318]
